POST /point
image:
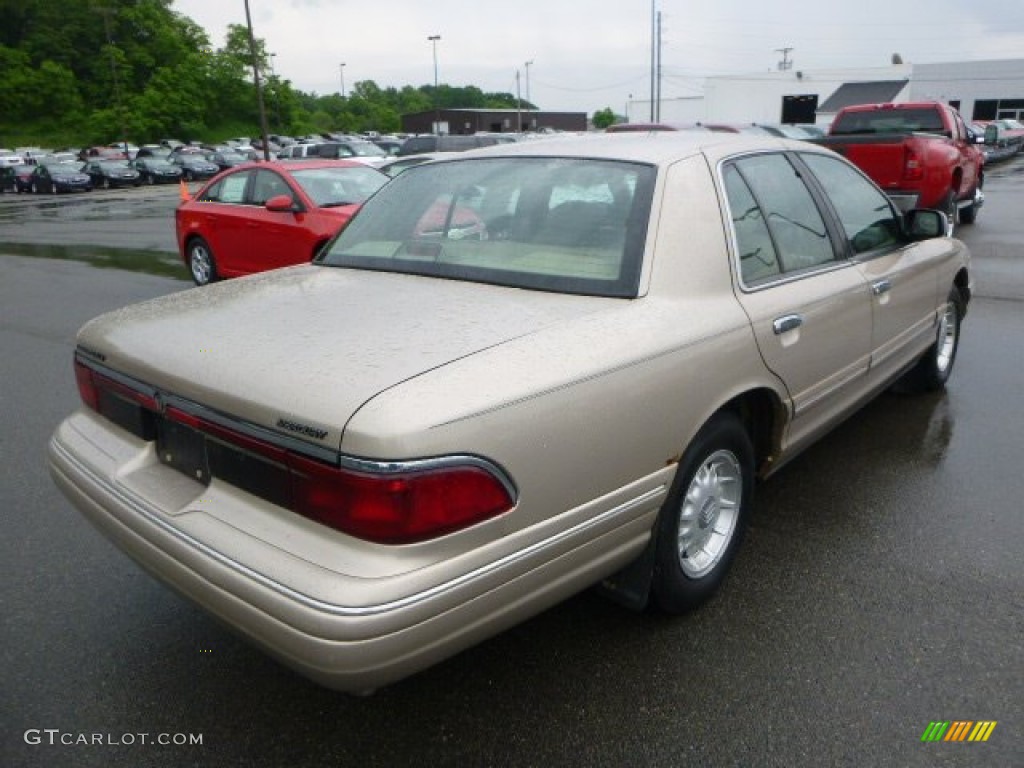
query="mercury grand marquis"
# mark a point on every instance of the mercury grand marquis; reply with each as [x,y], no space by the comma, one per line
[518,373]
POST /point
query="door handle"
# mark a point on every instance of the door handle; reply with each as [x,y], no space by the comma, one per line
[786,323]
[880,286]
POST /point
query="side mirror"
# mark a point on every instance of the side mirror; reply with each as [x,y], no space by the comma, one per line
[924,224]
[280,204]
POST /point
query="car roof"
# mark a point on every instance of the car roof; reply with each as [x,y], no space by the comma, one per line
[658,147]
[292,167]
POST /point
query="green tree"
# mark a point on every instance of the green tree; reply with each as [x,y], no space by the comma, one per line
[603,118]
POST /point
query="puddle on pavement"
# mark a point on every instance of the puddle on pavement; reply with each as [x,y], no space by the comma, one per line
[146,262]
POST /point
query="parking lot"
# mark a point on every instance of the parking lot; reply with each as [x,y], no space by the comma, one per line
[880,588]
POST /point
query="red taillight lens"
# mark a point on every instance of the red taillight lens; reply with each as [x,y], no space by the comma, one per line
[87,386]
[388,508]
[92,385]
[912,168]
[398,508]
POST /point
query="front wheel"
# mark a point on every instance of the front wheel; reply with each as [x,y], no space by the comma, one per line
[948,207]
[704,518]
[969,214]
[201,263]
[936,365]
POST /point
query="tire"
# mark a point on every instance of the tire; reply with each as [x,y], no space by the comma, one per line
[150,180]
[934,368]
[948,207]
[969,214]
[702,523]
[106,183]
[201,264]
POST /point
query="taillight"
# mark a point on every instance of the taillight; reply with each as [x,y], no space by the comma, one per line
[427,500]
[912,168]
[396,508]
[92,385]
[86,386]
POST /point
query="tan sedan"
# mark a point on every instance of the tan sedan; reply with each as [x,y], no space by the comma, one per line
[516,374]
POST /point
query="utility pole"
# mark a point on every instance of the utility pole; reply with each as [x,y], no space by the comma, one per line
[785,63]
[437,107]
[519,106]
[657,98]
[654,55]
[107,13]
[527,67]
[259,88]
[342,68]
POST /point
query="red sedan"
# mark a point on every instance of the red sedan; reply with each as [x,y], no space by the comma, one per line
[262,216]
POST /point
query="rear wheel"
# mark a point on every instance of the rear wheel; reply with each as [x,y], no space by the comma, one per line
[702,523]
[201,263]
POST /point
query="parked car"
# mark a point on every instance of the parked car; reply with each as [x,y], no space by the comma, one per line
[155,150]
[368,463]
[417,145]
[155,170]
[31,155]
[194,166]
[226,158]
[102,153]
[260,217]
[8,157]
[18,178]
[790,131]
[111,173]
[654,127]
[128,150]
[359,151]
[920,153]
[53,177]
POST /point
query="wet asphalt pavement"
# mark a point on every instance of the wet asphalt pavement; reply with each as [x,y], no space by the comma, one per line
[880,588]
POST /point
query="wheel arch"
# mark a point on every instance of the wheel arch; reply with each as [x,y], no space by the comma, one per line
[763,415]
[962,282]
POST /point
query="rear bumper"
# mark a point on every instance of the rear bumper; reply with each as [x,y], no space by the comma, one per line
[278,600]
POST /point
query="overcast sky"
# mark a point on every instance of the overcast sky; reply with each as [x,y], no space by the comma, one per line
[592,54]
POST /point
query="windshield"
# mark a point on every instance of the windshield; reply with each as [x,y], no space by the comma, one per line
[555,224]
[329,187]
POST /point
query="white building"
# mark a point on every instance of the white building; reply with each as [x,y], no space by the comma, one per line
[981,90]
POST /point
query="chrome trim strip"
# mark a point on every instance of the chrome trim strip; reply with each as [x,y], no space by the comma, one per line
[131,500]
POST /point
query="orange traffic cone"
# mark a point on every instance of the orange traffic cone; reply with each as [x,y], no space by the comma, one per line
[183,192]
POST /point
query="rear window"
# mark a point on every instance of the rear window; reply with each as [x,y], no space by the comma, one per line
[925,120]
[566,225]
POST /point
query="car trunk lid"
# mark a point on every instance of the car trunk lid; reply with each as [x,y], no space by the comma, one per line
[299,350]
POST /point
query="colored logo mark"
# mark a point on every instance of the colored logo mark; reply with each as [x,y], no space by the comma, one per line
[959,730]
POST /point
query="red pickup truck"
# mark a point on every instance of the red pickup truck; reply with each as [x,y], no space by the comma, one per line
[921,153]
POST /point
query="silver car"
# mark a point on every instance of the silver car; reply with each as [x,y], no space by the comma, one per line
[515,374]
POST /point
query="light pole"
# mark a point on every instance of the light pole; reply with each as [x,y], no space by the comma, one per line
[437,108]
[341,67]
[527,67]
